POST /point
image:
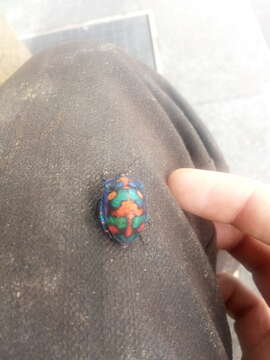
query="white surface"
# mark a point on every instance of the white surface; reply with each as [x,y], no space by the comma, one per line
[242,128]
[211,50]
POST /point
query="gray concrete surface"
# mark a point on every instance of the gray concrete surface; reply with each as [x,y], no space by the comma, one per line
[213,52]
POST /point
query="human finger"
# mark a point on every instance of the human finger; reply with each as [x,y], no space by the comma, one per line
[224,198]
[253,254]
[251,313]
[227,236]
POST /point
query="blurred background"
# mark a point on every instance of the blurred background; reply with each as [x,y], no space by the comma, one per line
[215,53]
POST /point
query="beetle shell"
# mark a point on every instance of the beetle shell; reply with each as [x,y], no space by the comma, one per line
[122,209]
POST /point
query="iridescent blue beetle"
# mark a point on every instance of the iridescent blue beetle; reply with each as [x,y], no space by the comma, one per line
[122,209]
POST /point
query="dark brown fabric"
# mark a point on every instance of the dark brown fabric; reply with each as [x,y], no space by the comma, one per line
[69,117]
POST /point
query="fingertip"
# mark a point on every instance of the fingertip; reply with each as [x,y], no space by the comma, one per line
[176,181]
[239,299]
[176,174]
[223,276]
[185,185]
[226,284]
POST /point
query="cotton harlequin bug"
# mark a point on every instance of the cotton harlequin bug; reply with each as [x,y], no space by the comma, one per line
[122,209]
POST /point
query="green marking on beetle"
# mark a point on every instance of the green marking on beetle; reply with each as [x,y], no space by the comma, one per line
[120,222]
[126,194]
[138,220]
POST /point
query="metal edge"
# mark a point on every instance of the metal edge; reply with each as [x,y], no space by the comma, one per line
[86,24]
[154,37]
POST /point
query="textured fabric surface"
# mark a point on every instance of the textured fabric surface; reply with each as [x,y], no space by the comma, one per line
[69,117]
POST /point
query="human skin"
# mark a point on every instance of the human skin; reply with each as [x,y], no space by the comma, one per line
[240,209]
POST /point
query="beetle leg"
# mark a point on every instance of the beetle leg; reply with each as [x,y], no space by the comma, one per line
[141,239]
[123,245]
[140,185]
[97,209]
[100,216]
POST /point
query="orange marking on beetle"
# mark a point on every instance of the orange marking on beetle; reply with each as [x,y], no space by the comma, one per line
[123,179]
[113,229]
[129,229]
[129,209]
[140,228]
[112,195]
